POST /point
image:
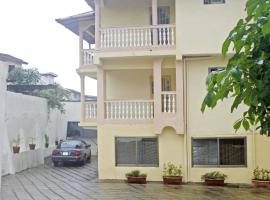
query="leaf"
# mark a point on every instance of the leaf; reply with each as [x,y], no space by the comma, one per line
[246,124]
[237,124]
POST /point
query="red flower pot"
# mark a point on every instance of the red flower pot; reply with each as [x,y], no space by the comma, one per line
[16,150]
[172,180]
[136,180]
[32,146]
[260,183]
[214,182]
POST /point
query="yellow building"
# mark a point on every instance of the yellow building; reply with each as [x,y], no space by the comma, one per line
[151,59]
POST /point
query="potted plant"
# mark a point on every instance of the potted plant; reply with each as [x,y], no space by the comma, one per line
[261,177]
[32,145]
[16,142]
[214,178]
[172,174]
[136,177]
[47,138]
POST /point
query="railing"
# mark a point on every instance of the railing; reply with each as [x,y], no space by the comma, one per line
[168,102]
[87,56]
[138,110]
[137,37]
[90,110]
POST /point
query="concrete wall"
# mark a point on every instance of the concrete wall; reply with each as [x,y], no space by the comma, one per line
[170,147]
[3,77]
[119,13]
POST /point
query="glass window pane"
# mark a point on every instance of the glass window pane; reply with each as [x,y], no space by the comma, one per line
[125,150]
[232,151]
[205,152]
[147,151]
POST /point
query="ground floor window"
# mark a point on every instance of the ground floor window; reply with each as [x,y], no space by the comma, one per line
[219,152]
[136,151]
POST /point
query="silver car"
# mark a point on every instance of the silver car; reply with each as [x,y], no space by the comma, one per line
[72,151]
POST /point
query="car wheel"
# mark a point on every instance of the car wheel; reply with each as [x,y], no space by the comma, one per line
[89,159]
[56,164]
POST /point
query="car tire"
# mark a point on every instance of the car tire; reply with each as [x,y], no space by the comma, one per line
[56,164]
[89,159]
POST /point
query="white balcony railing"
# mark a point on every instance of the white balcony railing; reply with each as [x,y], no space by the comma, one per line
[90,110]
[137,37]
[168,102]
[130,109]
[87,56]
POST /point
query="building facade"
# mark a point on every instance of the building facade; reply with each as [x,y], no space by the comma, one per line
[151,59]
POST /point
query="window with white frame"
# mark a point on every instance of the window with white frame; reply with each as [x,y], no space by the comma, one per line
[214,1]
[219,152]
[136,151]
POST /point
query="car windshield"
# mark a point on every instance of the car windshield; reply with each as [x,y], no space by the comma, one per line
[70,144]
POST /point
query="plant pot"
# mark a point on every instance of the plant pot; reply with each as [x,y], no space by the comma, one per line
[32,146]
[172,180]
[46,145]
[214,182]
[16,150]
[136,180]
[261,183]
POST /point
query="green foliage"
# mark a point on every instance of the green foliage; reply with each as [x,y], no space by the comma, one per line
[247,76]
[135,173]
[22,76]
[54,98]
[17,141]
[261,174]
[170,169]
[214,176]
[47,138]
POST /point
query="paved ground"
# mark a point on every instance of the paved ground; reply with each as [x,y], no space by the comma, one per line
[72,183]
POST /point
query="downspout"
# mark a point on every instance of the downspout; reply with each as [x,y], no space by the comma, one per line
[185,120]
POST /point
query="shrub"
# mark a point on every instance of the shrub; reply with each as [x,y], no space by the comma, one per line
[261,174]
[135,173]
[17,141]
[214,175]
[170,169]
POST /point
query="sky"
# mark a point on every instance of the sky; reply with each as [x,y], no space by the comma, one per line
[28,31]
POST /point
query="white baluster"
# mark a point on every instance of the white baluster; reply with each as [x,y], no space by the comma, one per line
[152,110]
[139,110]
[143,111]
[123,37]
[164,36]
[173,102]
[115,38]
[165,102]
[160,36]
[115,110]
[172,29]
[138,37]
[127,38]
[147,110]
[119,38]
[135,109]
[134,37]
[141,37]
[101,39]
[170,103]
[130,37]
[168,36]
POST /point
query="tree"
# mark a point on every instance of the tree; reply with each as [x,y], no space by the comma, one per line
[54,98]
[22,76]
[246,78]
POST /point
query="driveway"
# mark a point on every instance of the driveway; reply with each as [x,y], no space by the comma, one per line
[47,182]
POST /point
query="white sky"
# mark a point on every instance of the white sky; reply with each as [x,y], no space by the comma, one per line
[29,31]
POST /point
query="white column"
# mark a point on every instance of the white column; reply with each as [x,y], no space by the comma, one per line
[101,84]
[81,48]
[155,21]
[97,23]
[157,89]
[82,98]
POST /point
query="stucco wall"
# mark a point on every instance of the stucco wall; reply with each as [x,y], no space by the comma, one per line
[119,13]
[3,76]
[170,147]
[201,29]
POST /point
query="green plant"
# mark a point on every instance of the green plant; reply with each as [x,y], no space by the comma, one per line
[247,75]
[22,76]
[170,169]
[214,176]
[135,173]
[47,138]
[17,141]
[261,174]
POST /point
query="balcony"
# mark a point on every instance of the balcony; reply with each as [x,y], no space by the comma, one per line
[145,37]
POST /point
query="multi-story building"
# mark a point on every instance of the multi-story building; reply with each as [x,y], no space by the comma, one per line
[151,59]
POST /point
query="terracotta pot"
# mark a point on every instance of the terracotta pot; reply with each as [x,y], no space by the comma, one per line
[172,180]
[213,182]
[46,145]
[136,180]
[16,150]
[260,183]
[32,146]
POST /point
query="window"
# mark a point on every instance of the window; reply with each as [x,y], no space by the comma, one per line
[214,1]
[219,152]
[163,13]
[166,84]
[216,69]
[11,67]
[135,151]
